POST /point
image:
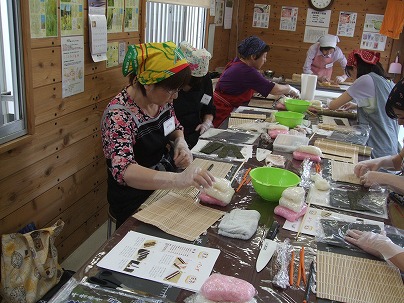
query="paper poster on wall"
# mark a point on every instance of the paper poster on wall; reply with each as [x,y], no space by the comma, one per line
[72,65]
[312,34]
[318,18]
[212,8]
[112,54]
[115,12]
[219,12]
[96,7]
[131,21]
[346,24]
[43,18]
[122,52]
[261,15]
[288,18]
[71,18]
[228,14]
[371,39]
[98,37]
[373,23]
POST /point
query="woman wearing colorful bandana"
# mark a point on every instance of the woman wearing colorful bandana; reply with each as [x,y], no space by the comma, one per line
[321,57]
[194,106]
[369,93]
[140,122]
[241,79]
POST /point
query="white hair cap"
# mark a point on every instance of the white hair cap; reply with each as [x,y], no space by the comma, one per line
[328,41]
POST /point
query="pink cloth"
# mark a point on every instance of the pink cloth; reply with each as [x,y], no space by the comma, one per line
[288,214]
[322,66]
[221,288]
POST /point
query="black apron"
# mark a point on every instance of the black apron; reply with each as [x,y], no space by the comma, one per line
[150,151]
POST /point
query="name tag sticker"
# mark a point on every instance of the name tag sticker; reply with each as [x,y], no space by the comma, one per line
[169,126]
[329,65]
[206,99]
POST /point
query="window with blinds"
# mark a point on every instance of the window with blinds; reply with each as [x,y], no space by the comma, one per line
[12,100]
[172,22]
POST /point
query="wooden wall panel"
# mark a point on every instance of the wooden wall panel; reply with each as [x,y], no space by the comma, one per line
[288,51]
[75,215]
[56,200]
[53,136]
[73,241]
[35,179]
[46,66]
[48,100]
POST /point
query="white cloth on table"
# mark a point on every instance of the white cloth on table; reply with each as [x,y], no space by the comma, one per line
[239,223]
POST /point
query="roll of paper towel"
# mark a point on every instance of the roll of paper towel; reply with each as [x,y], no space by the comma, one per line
[309,84]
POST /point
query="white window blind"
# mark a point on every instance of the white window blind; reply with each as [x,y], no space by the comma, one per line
[12,100]
[200,3]
[177,23]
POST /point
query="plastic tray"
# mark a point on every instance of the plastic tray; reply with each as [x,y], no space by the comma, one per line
[289,143]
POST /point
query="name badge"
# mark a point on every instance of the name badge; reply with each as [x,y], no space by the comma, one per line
[329,65]
[206,99]
[169,126]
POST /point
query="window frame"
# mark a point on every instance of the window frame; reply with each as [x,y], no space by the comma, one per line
[18,127]
[170,14]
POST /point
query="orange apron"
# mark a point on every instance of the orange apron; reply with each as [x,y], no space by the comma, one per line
[225,103]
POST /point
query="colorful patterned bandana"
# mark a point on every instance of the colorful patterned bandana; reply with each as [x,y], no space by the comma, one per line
[198,59]
[153,62]
[251,46]
[366,55]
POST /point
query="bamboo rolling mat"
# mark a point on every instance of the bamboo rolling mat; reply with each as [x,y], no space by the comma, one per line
[219,170]
[357,280]
[179,216]
[343,172]
[261,103]
[343,146]
[248,116]
[234,122]
[339,155]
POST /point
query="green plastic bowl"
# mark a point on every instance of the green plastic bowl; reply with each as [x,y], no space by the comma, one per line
[290,119]
[270,182]
[296,105]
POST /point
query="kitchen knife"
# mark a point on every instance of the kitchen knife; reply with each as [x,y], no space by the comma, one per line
[268,247]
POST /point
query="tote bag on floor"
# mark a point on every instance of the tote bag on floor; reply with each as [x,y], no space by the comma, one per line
[29,264]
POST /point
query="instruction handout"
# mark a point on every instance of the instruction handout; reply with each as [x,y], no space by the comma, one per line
[179,264]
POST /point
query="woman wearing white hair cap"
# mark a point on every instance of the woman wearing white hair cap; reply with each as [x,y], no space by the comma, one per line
[321,57]
[194,106]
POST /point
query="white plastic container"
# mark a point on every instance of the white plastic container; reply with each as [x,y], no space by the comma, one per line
[289,143]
